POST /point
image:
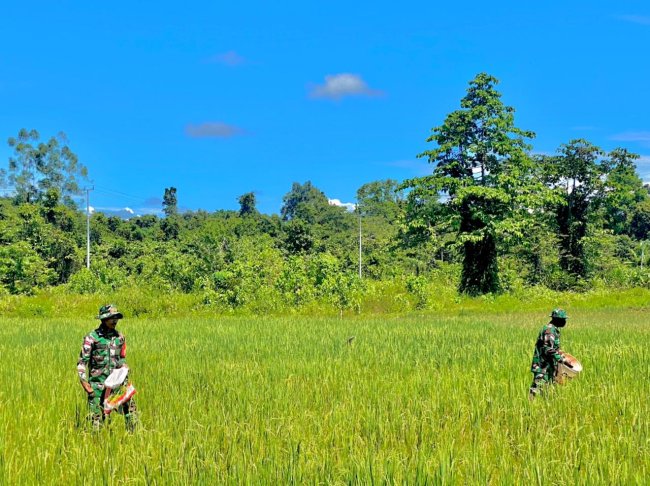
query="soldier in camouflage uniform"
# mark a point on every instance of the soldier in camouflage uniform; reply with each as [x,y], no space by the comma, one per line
[547,354]
[103,350]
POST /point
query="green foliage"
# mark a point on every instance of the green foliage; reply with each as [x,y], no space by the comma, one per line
[577,175]
[381,198]
[640,220]
[100,279]
[489,219]
[304,202]
[36,168]
[624,193]
[417,286]
[253,265]
[168,269]
[294,282]
[247,204]
[170,202]
[482,169]
[298,237]
[399,404]
[333,284]
[170,227]
[22,270]
[49,232]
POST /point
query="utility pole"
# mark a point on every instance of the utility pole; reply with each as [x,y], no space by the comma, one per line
[88,226]
[359,211]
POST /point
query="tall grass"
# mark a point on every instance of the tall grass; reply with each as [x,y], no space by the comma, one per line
[379,298]
[418,399]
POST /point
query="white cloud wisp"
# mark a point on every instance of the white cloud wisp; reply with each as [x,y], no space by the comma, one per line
[337,202]
[636,19]
[338,86]
[642,138]
[213,130]
[230,58]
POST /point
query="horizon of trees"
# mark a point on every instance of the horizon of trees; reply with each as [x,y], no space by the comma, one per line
[491,214]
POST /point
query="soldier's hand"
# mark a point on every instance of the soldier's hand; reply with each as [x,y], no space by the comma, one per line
[88,388]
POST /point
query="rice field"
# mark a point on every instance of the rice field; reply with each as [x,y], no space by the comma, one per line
[410,400]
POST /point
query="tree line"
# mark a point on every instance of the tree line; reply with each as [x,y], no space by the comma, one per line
[492,216]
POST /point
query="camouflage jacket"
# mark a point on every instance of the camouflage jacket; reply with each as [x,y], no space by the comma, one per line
[547,348]
[102,351]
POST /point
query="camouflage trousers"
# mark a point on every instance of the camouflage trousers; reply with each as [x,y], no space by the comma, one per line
[542,377]
[96,414]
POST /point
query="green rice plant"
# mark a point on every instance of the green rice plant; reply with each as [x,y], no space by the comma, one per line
[418,399]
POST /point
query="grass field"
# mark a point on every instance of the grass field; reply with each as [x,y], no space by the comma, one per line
[418,399]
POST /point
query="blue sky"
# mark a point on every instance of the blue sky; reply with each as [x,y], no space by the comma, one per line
[222,98]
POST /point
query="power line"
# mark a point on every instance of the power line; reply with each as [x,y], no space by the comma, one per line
[111,192]
[10,188]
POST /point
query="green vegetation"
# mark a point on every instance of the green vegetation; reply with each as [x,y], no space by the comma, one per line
[481,165]
[437,398]
[491,219]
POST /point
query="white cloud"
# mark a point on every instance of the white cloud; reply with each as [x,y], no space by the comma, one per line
[632,137]
[337,202]
[636,19]
[213,130]
[126,212]
[641,138]
[337,86]
[91,209]
[230,58]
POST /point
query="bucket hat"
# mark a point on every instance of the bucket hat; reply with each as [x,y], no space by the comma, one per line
[108,311]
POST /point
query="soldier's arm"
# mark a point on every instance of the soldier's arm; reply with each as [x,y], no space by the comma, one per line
[82,363]
[551,348]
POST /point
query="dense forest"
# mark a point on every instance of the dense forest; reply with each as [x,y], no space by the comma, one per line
[491,217]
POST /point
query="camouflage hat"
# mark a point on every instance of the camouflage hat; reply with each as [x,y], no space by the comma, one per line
[107,311]
[559,314]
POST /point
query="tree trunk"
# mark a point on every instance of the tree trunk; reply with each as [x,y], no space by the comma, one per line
[572,229]
[480,268]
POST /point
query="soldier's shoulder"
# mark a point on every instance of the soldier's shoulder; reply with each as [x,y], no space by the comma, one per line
[93,335]
[549,329]
[90,339]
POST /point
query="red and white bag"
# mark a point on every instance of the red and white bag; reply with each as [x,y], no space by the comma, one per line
[118,390]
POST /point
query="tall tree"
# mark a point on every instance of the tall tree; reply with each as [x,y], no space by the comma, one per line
[35,168]
[328,227]
[483,177]
[380,198]
[640,221]
[170,202]
[298,237]
[624,191]
[247,204]
[304,201]
[577,175]
[425,229]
